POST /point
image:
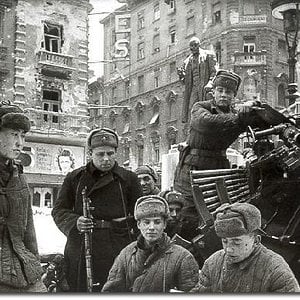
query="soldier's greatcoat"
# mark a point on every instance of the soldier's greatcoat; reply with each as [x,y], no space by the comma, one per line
[110,193]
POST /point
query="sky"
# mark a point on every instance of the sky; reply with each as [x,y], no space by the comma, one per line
[96,32]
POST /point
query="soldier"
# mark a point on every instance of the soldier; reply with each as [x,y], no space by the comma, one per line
[244,265]
[176,202]
[213,128]
[148,178]
[113,191]
[152,263]
[20,268]
[197,72]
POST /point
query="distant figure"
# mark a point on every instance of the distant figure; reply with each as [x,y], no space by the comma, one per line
[196,73]
[244,265]
[65,161]
[148,178]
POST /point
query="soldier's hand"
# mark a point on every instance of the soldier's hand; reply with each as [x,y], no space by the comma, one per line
[84,224]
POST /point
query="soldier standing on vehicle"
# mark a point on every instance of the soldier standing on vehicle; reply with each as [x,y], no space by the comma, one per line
[148,179]
[152,263]
[113,192]
[20,268]
[213,128]
[244,265]
[197,71]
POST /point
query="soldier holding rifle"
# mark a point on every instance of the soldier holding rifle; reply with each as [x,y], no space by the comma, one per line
[112,192]
[214,126]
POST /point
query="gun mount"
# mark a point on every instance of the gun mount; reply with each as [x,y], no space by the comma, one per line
[272,177]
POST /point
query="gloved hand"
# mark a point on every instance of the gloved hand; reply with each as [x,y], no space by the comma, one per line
[247,112]
[84,224]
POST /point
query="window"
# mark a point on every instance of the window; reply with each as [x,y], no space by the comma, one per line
[156,12]
[51,103]
[141,20]
[126,153]
[156,42]
[156,153]
[141,51]
[114,94]
[281,95]
[141,84]
[172,4]
[190,26]
[113,37]
[127,89]
[216,9]
[140,155]
[249,47]
[52,38]
[155,117]
[172,68]
[282,50]
[172,35]
[218,52]
[2,15]
[249,7]
[156,81]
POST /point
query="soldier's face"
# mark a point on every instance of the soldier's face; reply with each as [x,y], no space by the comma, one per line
[152,228]
[11,142]
[104,157]
[175,212]
[223,96]
[194,46]
[238,248]
[147,183]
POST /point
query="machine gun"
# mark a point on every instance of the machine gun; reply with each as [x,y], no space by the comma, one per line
[270,181]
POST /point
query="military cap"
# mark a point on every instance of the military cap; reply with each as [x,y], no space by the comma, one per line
[151,206]
[102,137]
[146,169]
[12,116]
[173,197]
[237,219]
[227,79]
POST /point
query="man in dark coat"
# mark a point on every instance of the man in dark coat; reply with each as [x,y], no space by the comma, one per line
[148,179]
[214,126]
[20,268]
[197,71]
[113,192]
[152,263]
[244,265]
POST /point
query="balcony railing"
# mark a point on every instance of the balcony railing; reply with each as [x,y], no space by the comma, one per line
[250,58]
[57,122]
[55,59]
[253,19]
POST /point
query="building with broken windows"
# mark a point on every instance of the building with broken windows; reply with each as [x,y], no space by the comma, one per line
[146,41]
[44,70]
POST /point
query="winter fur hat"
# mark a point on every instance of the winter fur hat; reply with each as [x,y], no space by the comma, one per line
[11,116]
[151,206]
[172,197]
[146,169]
[102,137]
[227,79]
[237,219]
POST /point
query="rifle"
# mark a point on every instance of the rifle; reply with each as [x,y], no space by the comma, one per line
[87,241]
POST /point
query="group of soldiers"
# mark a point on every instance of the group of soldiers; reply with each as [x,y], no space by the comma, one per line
[133,225]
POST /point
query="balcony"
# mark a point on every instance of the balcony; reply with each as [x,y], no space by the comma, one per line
[55,62]
[250,59]
[57,122]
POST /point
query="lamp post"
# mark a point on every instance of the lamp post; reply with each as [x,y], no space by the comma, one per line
[288,11]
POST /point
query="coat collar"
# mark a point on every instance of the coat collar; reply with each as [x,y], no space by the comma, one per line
[116,170]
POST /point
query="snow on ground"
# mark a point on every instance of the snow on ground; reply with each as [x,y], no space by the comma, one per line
[50,239]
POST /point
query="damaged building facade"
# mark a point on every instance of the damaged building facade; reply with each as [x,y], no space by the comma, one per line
[146,41]
[44,70]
